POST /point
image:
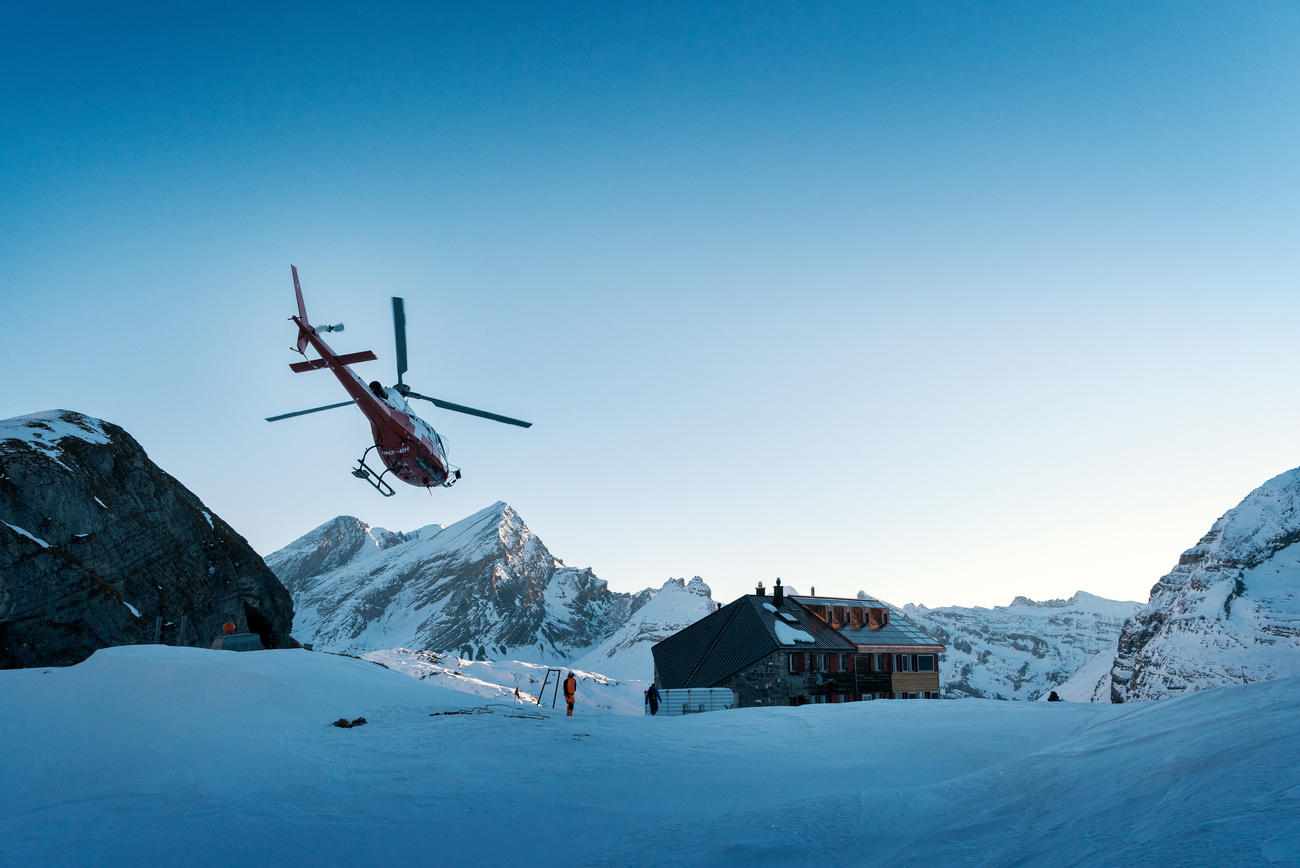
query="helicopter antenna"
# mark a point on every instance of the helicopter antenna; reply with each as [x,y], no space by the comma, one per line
[399,334]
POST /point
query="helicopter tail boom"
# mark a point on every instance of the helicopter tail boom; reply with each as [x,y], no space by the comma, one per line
[303,324]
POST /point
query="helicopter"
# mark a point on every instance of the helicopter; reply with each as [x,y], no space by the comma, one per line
[408,447]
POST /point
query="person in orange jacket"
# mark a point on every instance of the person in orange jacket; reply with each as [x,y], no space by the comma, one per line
[570,688]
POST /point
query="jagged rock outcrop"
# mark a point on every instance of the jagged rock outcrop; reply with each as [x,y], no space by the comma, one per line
[100,547]
[626,653]
[1023,650]
[1228,612]
[484,587]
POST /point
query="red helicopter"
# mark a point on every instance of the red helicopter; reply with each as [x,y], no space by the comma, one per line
[408,446]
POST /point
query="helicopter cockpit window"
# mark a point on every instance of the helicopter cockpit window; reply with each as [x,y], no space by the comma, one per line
[378,389]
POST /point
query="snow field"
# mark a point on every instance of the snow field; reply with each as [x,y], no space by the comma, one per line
[157,755]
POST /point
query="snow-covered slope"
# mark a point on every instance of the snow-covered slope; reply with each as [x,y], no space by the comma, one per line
[1020,651]
[497,681]
[483,588]
[151,755]
[1091,683]
[626,653]
[1229,611]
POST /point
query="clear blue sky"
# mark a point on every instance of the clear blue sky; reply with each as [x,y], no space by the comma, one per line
[944,301]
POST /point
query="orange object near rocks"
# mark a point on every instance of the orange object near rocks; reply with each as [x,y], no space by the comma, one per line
[228,627]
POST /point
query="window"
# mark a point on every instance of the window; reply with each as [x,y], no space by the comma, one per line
[796,663]
[902,662]
[925,663]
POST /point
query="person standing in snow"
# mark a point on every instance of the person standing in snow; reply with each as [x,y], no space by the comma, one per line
[652,699]
[570,688]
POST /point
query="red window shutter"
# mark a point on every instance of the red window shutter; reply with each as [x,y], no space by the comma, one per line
[834,661]
[798,662]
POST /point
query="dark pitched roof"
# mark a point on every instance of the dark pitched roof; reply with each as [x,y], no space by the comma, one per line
[737,635]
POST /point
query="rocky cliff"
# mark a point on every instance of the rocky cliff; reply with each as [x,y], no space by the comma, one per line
[101,547]
[484,587]
[1228,612]
[1020,651]
[625,654]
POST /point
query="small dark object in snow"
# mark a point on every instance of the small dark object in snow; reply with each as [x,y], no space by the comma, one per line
[344,723]
[1052,697]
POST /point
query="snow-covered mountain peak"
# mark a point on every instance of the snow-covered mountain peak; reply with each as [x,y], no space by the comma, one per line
[43,431]
[1264,523]
[655,615]
[696,586]
[1228,611]
[338,541]
[482,586]
[1022,600]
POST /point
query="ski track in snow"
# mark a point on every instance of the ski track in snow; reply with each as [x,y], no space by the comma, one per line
[153,755]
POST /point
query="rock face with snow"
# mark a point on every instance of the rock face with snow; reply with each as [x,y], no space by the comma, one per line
[625,654]
[485,588]
[1229,611]
[1020,651]
[100,547]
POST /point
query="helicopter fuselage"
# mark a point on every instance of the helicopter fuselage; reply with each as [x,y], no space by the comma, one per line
[408,446]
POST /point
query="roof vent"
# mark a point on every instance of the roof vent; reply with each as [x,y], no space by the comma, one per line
[760,590]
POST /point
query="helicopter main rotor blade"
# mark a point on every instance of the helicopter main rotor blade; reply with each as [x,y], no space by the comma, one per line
[399,334]
[461,408]
[305,412]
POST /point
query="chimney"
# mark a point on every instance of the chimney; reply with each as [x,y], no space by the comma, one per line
[778,593]
[760,591]
[812,591]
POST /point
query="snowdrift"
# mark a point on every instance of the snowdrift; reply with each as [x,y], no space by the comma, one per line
[159,755]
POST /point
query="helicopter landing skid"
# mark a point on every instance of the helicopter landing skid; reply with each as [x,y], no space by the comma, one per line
[363,471]
[453,474]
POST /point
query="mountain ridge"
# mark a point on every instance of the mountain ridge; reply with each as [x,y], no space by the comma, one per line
[483,587]
[1023,650]
[1229,610]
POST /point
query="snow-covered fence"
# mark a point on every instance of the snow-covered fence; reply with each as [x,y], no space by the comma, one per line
[692,700]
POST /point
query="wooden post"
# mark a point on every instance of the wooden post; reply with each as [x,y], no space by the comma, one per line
[180,633]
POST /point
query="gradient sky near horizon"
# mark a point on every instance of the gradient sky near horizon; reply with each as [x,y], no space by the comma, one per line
[947,302]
